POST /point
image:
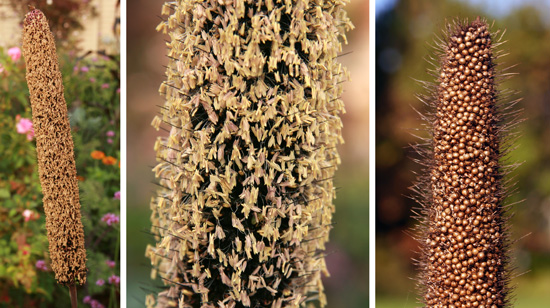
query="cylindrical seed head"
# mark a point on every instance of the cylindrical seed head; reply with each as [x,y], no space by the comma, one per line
[54,147]
[464,258]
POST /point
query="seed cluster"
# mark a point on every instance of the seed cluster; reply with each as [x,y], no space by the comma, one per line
[464,253]
[252,106]
[55,154]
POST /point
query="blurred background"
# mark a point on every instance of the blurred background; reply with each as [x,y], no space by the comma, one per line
[404,32]
[348,249]
[87,24]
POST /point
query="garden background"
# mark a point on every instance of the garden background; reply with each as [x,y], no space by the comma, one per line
[404,32]
[348,248]
[89,60]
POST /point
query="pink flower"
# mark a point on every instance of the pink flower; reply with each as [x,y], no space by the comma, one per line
[118,90]
[110,133]
[24,126]
[30,215]
[105,86]
[117,195]
[87,299]
[14,53]
[109,140]
[27,214]
[110,263]
[114,280]
[41,265]
[92,79]
[96,304]
[110,218]
[100,282]
[84,69]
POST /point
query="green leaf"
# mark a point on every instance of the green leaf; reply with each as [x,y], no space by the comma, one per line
[77,117]
[4,193]
[12,213]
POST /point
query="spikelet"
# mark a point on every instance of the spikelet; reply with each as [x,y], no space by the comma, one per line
[244,207]
[54,148]
[463,234]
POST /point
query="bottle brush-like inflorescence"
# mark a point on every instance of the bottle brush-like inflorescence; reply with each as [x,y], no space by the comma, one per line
[55,154]
[464,258]
[244,207]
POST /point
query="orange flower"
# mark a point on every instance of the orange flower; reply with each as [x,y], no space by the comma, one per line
[109,160]
[98,155]
[80,178]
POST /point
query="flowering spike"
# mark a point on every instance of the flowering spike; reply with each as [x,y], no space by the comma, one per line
[55,154]
[464,236]
[244,205]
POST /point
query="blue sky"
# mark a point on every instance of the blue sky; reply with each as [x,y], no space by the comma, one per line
[491,7]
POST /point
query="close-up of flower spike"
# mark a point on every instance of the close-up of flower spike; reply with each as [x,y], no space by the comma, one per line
[253,104]
[464,258]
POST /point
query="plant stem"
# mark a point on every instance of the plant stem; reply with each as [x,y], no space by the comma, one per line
[74,298]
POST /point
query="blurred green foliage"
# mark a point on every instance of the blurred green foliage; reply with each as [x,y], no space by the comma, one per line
[406,34]
[91,90]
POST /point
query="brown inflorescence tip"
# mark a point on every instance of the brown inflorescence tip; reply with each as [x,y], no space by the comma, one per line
[464,241]
[55,154]
[33,16]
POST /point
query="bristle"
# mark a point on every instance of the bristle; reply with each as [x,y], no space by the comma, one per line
[461,192]
[245,175]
